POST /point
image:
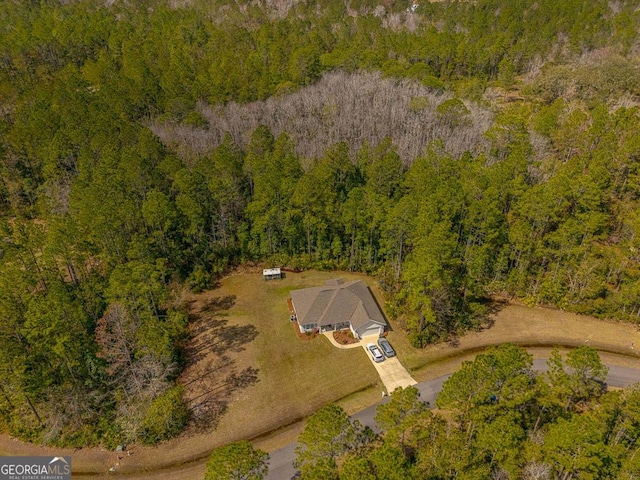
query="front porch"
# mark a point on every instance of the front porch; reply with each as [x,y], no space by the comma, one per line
[334,327]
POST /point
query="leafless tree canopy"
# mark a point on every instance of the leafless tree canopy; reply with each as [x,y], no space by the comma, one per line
[355,108]
[115,333]
[536,471]
[141,375]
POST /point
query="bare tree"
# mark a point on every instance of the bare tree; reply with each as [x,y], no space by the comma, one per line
[115,335]
[536,471]
[353,108]
[499,474]
[140,374]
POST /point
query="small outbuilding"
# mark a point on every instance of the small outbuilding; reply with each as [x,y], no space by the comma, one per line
[272,273]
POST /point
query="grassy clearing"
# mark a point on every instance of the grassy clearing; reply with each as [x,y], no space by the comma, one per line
[538,329]
[243,326]
[295,377]
[533,327]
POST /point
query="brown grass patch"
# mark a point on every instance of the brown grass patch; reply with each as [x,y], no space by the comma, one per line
[539,329]
[212,375]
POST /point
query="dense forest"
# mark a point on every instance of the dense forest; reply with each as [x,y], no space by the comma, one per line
[455,152]
[497,419]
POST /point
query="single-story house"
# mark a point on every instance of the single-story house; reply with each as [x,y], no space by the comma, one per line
[271,273]
[338,305]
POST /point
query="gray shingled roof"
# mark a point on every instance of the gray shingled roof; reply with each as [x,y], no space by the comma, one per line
[336,302]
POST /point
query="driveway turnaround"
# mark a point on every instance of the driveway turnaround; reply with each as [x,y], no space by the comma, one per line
[391,371]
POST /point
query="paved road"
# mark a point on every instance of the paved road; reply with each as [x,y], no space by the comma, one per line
[280,463]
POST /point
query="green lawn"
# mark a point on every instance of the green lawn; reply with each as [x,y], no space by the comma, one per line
[295,377]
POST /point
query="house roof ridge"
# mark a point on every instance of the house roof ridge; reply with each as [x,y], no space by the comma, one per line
[337,302]
[328,305]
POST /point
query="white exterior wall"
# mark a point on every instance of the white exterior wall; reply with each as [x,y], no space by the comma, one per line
[308,328]
[369,329]
[355,334]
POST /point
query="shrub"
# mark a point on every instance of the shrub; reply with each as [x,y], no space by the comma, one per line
[166,417]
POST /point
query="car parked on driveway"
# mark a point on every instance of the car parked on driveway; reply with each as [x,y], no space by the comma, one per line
[386,347]
[375,352]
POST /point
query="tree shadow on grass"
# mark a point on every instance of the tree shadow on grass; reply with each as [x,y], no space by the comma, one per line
[218,337]
[491,306]
[211,334]
[212,306]
[211,377]
[483,319]
[216,305]
[495,305]
[208,407]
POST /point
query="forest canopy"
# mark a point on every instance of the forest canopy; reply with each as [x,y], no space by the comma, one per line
[497,418]
[455,152]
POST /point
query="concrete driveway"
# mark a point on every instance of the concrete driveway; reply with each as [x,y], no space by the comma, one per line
[391,371]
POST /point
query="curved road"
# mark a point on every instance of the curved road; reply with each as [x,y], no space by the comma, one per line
[280,463]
